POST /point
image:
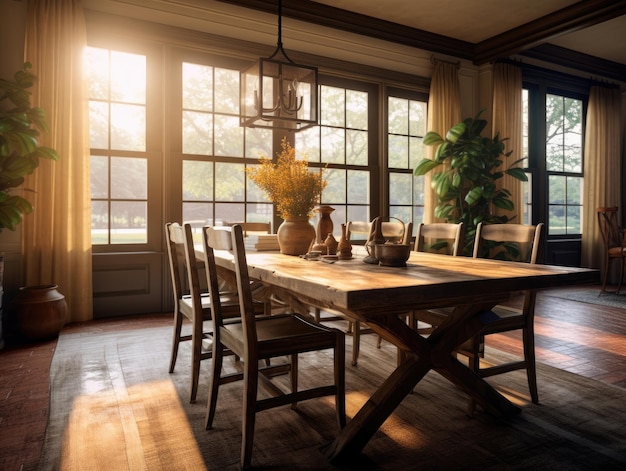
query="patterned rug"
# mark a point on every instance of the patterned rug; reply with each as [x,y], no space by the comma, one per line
[590,296]
[115,407]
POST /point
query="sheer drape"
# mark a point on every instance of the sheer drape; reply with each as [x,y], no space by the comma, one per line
[444,111]
[602,168]
[56,240]
[507,121]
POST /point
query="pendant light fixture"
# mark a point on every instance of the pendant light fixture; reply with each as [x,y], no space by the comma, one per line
[278,93]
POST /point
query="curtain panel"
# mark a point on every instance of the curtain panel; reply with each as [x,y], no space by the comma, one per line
[444,111]
[56,237]
[602,167]
[507,122]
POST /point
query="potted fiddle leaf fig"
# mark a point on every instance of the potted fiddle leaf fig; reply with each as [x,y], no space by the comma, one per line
[466,191]
[20,126]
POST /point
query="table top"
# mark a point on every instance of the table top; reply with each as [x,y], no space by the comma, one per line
[428,280]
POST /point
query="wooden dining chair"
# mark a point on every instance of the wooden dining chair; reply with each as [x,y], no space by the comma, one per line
[439,237]
[362,231]
[256,338]
[515,243]
[614,240]
[189,300]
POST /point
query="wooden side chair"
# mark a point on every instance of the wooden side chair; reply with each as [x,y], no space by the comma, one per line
[440,237]
[258,338]
[362,231]
[189,301]
[614,239]
[517,243]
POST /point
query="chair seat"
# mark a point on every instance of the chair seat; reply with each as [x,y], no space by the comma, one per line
[505,317]
[230,306]
[278,333]
[617,252]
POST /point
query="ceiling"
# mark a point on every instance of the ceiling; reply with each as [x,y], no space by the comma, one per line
[588,35]
[479,20]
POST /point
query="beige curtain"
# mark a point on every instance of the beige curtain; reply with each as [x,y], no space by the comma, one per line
[507,121]
[444,111]
[56,241]
[602,167]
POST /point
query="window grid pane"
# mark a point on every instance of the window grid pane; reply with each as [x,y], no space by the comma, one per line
[406,127]
[117,87]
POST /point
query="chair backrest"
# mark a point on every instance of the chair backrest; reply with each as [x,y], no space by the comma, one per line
[439,237]
[175,238]
[392,230]
[215,239]
[196,287]
[362,229]
[252,227]
[397,231]
[612,235]
[244,291]
[515,242]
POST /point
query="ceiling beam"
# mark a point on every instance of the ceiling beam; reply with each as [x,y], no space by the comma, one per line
[573,18]
[344,20]
[595,66]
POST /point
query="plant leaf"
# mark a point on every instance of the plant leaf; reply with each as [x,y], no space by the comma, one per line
[517,173]
[425,166]
[432,138]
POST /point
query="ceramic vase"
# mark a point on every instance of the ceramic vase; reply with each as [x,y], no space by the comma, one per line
[325,224]
[295,235]
[40,312]
[344,247]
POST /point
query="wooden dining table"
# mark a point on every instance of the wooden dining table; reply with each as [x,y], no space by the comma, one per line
[379,295]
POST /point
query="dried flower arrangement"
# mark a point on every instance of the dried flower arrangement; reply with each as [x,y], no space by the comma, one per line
[289,183]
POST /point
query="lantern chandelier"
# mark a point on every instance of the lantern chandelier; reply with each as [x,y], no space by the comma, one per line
[277,93]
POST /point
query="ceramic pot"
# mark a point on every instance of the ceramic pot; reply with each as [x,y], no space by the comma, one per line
[40,312]
[295,236]
[325,224]
[344,247]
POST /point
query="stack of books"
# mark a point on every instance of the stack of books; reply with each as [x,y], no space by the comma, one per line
[260,242]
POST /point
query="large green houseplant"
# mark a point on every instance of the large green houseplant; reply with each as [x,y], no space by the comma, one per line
[20,126]
[466,190]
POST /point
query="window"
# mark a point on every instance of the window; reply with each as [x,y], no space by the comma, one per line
[406,127]
[117,113]
[564,163]
[216,150]
[553,145]
[342,144]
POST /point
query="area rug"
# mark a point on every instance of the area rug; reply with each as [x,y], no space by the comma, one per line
[591,295]
[115,407]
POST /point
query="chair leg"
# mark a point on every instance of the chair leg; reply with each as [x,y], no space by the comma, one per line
[356,342]
[293,376]
[340,379]
[214,384]
[473,362]
[528,337]
[250,384]
[196,356]
[607,265]
[178,324]
[621,275]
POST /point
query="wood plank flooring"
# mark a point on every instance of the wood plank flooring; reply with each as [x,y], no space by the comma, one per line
[586,339]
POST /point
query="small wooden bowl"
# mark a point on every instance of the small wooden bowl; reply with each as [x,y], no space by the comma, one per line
[392,255]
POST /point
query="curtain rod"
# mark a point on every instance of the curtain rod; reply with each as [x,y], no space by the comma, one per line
[434,60]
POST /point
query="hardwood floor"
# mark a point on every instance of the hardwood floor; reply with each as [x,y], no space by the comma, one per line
[586,339]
